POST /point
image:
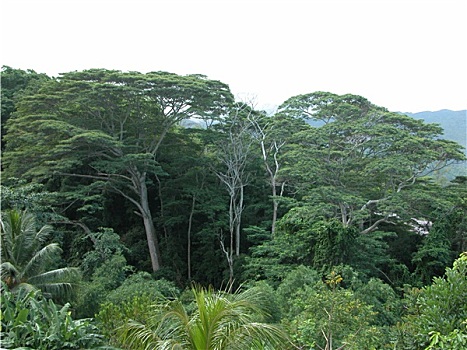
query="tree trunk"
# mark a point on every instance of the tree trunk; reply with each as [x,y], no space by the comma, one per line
[275,205]
[238,222]
[190,220]
[153,243]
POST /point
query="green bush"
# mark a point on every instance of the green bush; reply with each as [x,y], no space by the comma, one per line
[132,300]
[324,314]
[139,284]
[437,314]
[31,321]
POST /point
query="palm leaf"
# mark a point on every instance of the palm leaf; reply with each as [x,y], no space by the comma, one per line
[44,233]
[64,273]
[40,258]
[220,321]
[25,259]
[57,289]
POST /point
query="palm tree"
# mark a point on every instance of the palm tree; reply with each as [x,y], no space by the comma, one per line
[218,321]
[26,258]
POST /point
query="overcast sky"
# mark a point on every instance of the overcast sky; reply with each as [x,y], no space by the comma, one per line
[406,55]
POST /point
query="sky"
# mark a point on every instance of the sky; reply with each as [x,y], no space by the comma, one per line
[405,55]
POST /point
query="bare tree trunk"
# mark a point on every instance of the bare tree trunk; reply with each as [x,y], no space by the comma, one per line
[273,169]
[238,222]
[153,243]
[275,205]
[229,256]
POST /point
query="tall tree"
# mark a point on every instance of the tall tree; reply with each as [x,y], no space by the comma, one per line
[107,127]
[358,161]
[233,153]
[272,134]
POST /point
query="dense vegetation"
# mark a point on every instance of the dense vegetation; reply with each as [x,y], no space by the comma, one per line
[153,211]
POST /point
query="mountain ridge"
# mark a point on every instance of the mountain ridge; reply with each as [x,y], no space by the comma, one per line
[454,123]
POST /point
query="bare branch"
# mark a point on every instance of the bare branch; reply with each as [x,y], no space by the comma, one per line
[376,223]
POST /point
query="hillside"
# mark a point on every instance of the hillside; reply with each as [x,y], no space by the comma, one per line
[454,124]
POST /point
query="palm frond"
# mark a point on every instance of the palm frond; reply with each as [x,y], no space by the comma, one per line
[43,233]
[138,336]
[57,290]
[57,275]
[40,259]
[19,237]
[220,321]
[258,335]
[26,260]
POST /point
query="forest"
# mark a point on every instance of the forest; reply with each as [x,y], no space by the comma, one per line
[157,211]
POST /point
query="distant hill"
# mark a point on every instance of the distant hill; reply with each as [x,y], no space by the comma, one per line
[454,124]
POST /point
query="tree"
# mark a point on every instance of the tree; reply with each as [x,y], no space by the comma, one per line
[445,233]
[107,127]
[359,161]
[233,154]
[26,257]
[15,83]
[219,321]
[272,134]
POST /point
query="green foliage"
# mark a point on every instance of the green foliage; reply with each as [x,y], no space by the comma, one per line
[21,195]
[142,284]
[359,163]
[438,314]
[327,317]
[296,280]
[218,321]
[334,183]
[106,128]
[433,256]
[106,278]
[370,256]
[383,299]
[27,257]
[15,84]
[106,244]
[31,321]
[457,339]
[112,317]
[320,244]
[133,300]
[333,243]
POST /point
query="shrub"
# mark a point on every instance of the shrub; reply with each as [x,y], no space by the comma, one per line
[31,321]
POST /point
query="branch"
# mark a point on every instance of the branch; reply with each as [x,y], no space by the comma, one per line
[132,200]
[373,201]
[80,224]
[375,225]
[410,181]
[107,177]
[227,254]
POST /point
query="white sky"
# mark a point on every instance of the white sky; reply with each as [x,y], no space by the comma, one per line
[405,55]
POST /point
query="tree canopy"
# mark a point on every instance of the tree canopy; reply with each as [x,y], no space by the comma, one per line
[332,207]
